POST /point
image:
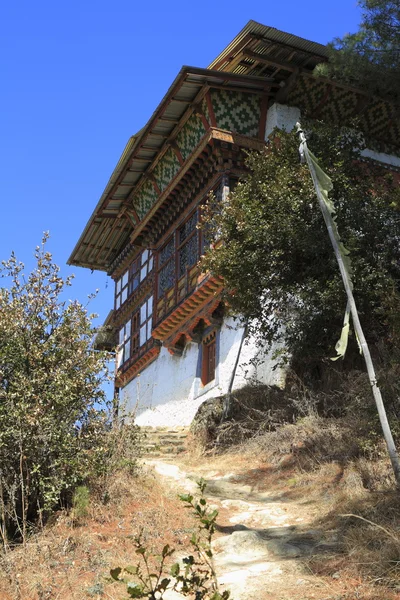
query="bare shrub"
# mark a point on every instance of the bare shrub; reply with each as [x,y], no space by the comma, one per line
[309,442]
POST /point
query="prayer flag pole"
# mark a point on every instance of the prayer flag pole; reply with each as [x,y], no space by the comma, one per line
[322,185]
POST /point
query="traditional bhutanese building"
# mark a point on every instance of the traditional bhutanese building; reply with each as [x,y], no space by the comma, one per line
[176,347]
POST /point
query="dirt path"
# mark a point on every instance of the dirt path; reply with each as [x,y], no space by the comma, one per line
[264,540]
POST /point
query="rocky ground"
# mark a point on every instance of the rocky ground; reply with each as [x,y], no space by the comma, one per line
[264,539]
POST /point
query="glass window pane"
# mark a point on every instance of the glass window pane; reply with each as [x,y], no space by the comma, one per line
[125,278]
[118,286]
[143,273]
[118,301]
[150,306]
[145,256]
[124,295]
[143,335]
[150,264]
[135,281]
[149,329]
[119,357]
[143,315]
[121,336]
[127,350]
[128,330]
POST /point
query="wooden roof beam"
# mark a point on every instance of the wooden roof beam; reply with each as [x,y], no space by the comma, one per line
[282,64]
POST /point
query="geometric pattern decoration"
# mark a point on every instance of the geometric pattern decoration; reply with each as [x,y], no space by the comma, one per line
[145,199]
[335,104]
[308,94]
[376,117]
[340,105]
[190,135]
[166,169]
[206,113]
[237,111]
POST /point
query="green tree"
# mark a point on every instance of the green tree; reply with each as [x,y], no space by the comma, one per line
[370,58]
[276,258]
[50,384]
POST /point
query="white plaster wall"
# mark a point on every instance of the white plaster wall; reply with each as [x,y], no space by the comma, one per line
[281,116]
[169,391]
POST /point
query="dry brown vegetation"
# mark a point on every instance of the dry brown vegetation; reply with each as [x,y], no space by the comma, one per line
[71,558]
[347,484]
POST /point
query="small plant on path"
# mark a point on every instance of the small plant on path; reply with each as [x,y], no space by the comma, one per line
[194,576]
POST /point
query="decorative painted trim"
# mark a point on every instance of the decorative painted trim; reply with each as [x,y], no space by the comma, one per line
[213,121]
[200,304]
[134,300]
[122,378]
[212,134]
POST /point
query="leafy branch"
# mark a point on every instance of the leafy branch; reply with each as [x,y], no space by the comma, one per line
[194,576]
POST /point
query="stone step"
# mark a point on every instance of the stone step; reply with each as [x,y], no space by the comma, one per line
[162,441]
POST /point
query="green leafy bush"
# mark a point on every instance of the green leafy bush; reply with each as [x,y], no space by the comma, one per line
[50,387]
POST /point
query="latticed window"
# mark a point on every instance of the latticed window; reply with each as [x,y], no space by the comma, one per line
[188,245]
[179,253]
[166,273]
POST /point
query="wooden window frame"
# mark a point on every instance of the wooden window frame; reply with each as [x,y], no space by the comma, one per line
[209,359]
[121,288]
[147,322]
[130,332]
[132,277]
[124,343]
[175,256]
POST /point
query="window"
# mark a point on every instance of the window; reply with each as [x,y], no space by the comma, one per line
[188,245]
[135,333]
[209,359]
[121,289]
[179,253]
[166,273]
[124,342]
[146,319]
[146,264]
[130,280]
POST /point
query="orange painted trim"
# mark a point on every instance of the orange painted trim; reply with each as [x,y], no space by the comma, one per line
[122,379]
[211,110]
[208,289]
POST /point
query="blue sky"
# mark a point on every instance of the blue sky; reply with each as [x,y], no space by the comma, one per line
[78,78]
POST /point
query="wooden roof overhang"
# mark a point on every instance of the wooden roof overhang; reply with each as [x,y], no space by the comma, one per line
[260,59]
[262,51]
[114,219]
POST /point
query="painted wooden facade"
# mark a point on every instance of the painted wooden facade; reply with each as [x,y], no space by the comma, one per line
[145,229]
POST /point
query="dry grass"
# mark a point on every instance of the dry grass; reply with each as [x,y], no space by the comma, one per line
[321,464]
[67,562]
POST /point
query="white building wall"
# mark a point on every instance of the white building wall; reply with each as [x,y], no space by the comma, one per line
[169,391]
